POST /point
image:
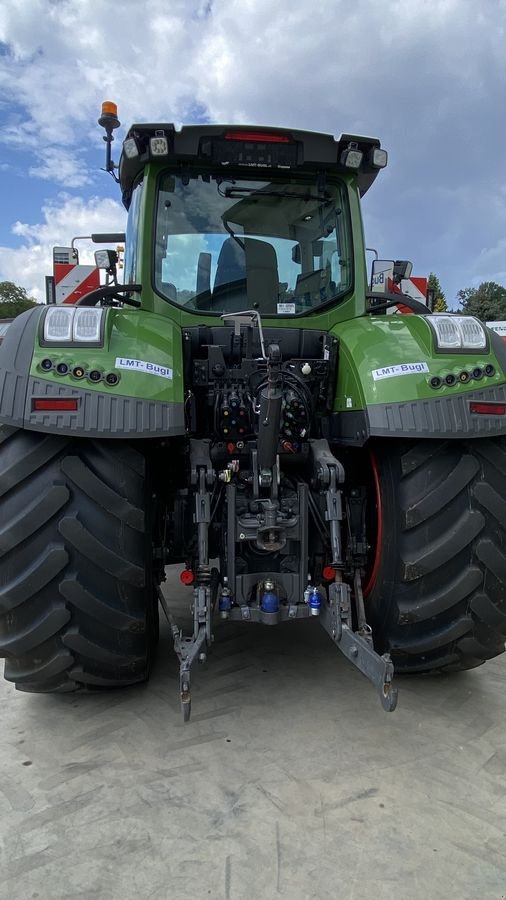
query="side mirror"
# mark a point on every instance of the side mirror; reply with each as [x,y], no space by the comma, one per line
[402,269]
[385,270]
[382,270]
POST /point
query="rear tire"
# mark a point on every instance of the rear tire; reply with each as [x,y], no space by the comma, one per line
[437,598]
[77,599]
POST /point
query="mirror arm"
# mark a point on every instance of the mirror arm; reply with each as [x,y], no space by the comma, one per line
[388,300]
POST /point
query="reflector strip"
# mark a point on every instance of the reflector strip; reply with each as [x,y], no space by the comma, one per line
[254,136]
[55,404]
[488,409]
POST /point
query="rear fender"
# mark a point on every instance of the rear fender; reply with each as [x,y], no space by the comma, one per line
[387,367]
[140,349]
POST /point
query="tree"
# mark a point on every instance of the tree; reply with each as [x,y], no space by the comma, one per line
[487,302]
[13,300]
[440,304]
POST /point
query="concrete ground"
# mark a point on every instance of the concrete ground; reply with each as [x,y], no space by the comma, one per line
[290,781]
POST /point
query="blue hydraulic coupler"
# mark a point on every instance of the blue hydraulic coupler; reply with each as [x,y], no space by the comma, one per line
[270,600]
[225,602]
[314,601]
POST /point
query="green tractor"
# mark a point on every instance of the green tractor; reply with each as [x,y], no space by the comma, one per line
[243,405]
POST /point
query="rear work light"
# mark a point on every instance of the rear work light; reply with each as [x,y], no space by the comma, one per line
[488,409]
[69,325]
[58,325]
[352,157]
[159,145]
[130,148]
[378,158]
[87,324]
[257,137]
[458,333]
[55,404]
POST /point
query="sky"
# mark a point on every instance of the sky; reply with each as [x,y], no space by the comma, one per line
[428,77]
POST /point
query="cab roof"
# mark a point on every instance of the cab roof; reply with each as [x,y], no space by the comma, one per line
[247,147]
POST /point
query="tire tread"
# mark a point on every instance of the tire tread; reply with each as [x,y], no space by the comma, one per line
[439,602]
[76,599]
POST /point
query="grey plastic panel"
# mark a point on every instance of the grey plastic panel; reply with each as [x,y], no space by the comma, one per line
[103,415]
[12,397]
[447,417]
[15,360]
[440,417]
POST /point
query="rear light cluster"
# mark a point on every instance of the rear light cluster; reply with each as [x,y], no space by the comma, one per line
[79,372]
[463,377]
[253,148]
[55,404]
[262,137]
[487,408]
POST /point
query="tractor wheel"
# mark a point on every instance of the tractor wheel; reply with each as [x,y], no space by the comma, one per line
[436,595]
[77,598]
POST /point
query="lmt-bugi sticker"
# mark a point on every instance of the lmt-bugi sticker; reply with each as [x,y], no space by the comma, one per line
[402,369]
[142,365]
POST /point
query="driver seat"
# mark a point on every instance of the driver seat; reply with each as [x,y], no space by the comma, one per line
[254,269]
[262,275]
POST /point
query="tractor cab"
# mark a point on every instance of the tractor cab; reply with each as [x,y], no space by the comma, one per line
[263,219]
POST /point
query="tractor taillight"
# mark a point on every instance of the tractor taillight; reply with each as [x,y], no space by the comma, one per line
[55,404]
[488,409]
[257,137]
[251,148]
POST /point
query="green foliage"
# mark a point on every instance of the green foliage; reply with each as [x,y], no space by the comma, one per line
[440,304]
[13,300]
[487,302]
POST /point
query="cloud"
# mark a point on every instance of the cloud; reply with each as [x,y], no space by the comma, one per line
[327,68]
[61,167]
[426,77]
[63,220]
[60,66]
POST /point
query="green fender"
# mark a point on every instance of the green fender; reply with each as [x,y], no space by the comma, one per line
[141,350]
[385,385]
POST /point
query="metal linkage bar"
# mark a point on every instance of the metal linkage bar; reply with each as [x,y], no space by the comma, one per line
[187,649]
[190,649]
[357,646]
[334,516]
[329,473]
